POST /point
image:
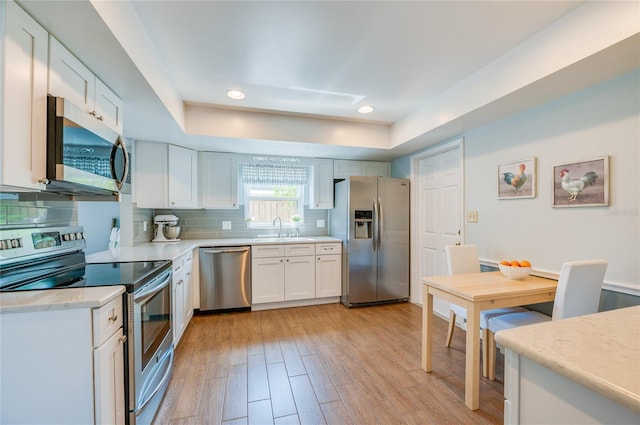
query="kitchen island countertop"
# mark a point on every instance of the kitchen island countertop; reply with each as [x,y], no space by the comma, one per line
[155,251]
[599,351]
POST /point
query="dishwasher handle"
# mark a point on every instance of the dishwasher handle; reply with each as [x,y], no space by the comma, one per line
[223,250]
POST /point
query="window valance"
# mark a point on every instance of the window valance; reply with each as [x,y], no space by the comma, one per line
[270,174]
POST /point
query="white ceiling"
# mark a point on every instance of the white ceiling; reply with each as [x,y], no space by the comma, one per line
[316,58]
[330,57]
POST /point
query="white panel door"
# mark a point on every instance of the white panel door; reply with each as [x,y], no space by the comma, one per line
[328,276]
[69,78]
[109,380]
[267,280]
[183,177]
[218,180]
[439,213]
[25,99]
[300,278]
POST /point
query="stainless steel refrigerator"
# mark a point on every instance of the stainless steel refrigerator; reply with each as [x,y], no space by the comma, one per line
[371,216]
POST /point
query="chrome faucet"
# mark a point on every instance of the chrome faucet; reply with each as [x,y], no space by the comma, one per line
[280,223]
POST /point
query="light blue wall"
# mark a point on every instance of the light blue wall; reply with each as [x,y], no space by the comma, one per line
[598,121]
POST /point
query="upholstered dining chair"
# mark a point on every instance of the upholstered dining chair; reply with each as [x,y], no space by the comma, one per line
[465,259]
[578,293]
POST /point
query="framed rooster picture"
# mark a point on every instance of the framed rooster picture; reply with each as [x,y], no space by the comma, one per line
[582,184]
[517,179]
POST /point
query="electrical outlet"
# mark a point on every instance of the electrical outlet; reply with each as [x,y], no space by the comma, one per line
[320,223]
[226,225]
[472,216]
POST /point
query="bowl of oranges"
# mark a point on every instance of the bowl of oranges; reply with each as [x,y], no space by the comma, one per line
[514,269]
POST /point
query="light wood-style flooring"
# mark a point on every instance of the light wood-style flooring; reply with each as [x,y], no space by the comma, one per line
[322,365]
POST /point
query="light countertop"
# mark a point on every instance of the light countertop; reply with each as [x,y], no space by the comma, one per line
[599,351]
[154,251]
[57,299]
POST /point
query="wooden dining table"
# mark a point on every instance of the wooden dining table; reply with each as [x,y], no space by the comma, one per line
[476,292]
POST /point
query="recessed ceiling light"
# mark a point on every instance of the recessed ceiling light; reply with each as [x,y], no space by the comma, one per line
[235,94]
[365,109]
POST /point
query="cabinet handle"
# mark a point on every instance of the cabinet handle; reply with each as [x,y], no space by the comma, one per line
[113,318]
[95,114]
[123,339]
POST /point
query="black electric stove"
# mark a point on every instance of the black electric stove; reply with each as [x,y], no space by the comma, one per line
[53,258]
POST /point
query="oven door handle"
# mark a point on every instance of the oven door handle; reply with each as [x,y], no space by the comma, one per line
[167,374]
[152,288]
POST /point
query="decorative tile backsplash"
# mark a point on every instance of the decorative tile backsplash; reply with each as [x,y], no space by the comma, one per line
[207,224]
[26,209]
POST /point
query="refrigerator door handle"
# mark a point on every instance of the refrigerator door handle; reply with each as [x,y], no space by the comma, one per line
[380,223]
[374,240]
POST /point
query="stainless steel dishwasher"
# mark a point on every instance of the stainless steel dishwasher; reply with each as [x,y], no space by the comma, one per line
[225,278]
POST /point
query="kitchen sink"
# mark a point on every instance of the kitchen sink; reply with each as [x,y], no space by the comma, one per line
[284,240]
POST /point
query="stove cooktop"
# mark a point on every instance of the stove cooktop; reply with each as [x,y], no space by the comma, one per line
[132,275]
[53,258]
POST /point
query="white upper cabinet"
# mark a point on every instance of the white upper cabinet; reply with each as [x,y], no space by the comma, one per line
[69,78]
[343,168]
[166,176]
[374,168]
[24,108]
[183,177]
[218,180]
[321,186]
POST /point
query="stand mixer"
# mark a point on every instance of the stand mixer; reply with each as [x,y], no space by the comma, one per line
[161,221]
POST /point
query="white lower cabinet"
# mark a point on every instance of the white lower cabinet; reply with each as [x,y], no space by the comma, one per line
[108,362]
[267,280]
[182,295]
[534,394]
[299,278]
[295,274]
[328,270]
[282,273]
[63,366]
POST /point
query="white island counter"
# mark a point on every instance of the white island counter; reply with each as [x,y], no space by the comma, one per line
[582,370]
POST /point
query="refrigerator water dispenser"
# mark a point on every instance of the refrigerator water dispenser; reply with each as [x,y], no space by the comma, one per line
[363,221]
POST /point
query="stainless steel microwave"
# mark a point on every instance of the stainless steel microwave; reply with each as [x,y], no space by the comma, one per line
[84,156]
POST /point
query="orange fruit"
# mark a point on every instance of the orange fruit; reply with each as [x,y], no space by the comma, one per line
[525,263]
[515,263]
[505,263]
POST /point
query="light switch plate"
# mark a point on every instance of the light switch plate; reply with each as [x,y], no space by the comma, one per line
[226,225]
[320,223]
[472,216]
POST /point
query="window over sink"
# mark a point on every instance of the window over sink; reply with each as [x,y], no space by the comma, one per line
[272,191]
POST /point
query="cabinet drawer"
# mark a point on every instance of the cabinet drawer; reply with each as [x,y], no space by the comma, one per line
[262,251]
[184,261]
[107,320]
[292,250]
[329,248]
